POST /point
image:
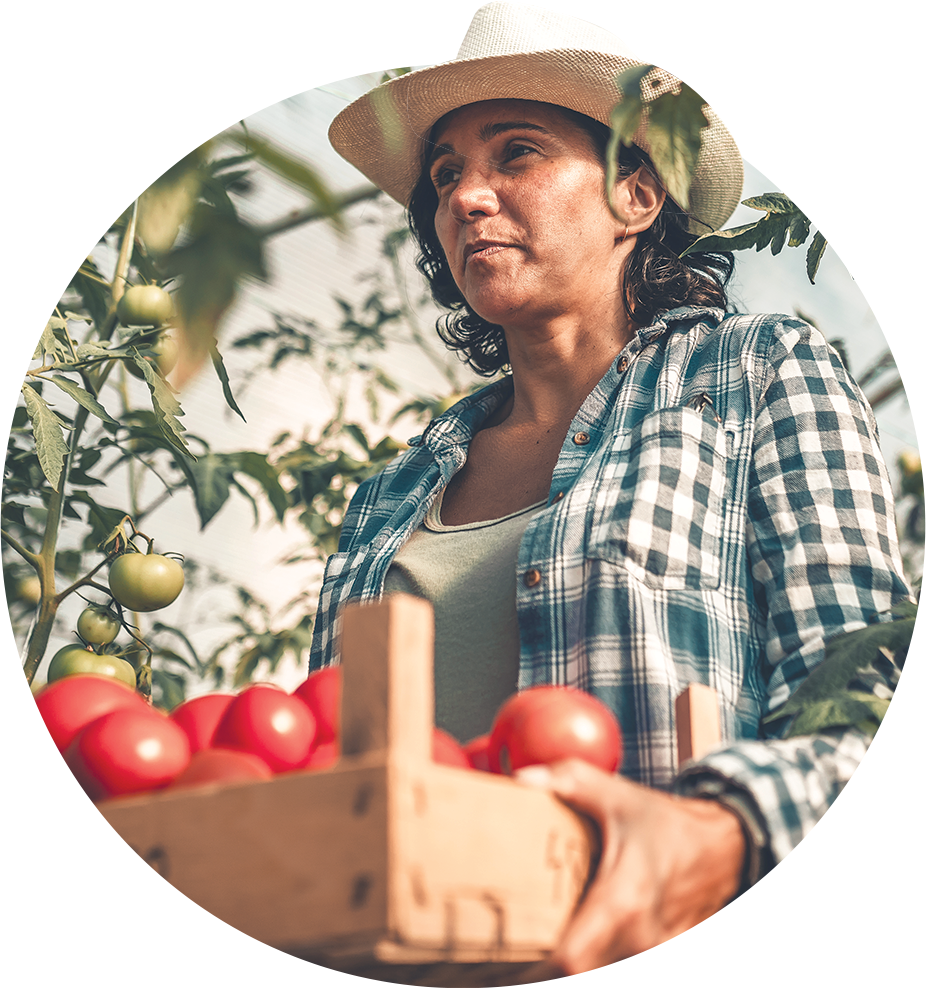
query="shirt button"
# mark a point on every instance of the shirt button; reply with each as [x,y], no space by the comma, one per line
[581,439]
[622,365]
[557,497]
[532,578]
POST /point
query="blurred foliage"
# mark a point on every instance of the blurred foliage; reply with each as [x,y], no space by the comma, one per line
[80,436]
[853,685]
[674,119]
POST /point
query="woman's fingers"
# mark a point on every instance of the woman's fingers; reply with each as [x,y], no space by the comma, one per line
[666,863]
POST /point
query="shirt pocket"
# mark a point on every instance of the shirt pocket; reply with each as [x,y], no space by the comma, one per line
[659,508]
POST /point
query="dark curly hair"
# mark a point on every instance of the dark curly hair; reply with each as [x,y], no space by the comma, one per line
[656,279]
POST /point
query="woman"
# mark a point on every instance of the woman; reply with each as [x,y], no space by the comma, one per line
[658,493]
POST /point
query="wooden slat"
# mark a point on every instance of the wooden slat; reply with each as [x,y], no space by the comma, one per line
[697,720]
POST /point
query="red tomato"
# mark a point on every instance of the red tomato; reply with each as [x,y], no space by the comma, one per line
[268,723]
[321,692]
[127,751]
[221,765]
[324,755]
[446,750]
[200,717]
[477,751]
[71,704]
[544,724]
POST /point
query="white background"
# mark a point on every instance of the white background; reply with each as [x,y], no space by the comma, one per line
[101,99]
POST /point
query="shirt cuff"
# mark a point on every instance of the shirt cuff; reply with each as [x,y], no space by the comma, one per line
[757,859]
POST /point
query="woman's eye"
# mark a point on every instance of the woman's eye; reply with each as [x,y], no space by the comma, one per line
[445,175]
[519,151]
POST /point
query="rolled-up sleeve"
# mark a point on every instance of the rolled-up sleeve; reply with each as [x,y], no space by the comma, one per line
[824,559]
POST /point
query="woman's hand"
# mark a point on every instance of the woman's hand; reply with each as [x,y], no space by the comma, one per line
[667,862]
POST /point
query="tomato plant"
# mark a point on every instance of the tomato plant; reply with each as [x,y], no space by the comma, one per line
[98,625]
[145,305]
[270,723]
[145,581]
[127,751]
[71,704]
[221,765]
[544,724]
[200,716]
[321,692]
[164,355]
[74,660]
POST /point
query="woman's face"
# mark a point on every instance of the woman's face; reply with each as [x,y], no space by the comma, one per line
[522,216]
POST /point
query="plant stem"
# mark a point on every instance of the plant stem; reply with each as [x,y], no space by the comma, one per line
[40,632]
[311,213]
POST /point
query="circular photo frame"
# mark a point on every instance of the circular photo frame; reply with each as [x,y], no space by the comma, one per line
[325,343]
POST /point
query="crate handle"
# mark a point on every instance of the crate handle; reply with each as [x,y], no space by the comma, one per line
[697,722]
[387,699]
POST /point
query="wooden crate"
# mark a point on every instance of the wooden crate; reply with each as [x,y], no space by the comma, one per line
[386,865]
[386,858]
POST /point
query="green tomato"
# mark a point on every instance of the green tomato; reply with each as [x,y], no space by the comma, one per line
[97,625]
[72,660]
[166,352]
[145,582]
[29,590]
[145,305]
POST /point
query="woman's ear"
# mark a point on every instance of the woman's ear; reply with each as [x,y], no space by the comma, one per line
[637,200]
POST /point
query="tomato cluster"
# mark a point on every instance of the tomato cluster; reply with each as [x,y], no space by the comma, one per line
[117,745]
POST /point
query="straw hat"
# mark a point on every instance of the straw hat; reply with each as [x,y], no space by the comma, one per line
[516,52]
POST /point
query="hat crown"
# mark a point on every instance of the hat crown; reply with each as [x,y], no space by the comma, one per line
[512,29]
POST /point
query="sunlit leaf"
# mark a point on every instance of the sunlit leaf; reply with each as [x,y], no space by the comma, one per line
[674,125]
[771,202]
[47,428]
[166,407]
[166,205]
[84,398]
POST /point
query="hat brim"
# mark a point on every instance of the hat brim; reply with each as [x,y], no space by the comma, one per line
[384,132]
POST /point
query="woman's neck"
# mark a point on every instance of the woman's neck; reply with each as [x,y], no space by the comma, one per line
[556,367]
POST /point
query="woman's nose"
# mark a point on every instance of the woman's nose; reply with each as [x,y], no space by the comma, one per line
[474,194]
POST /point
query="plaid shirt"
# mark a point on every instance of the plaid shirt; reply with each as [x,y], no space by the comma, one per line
[719,509]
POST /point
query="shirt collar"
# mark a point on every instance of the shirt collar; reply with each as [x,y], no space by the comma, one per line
[462,421]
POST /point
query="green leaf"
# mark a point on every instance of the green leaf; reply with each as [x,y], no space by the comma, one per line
[219,364]
[814,254]
[772,202]
[54,343]
[298,173]
[91,350]
[84,398]
[47,430]
[103,521]
[209,481]
[222,250]
[843,710]
[675,122]
[850,657]
[626,117]
[737,238]
[166,407]
[800,230]
[259,468]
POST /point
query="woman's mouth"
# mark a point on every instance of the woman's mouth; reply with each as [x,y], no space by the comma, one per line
[483,249]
